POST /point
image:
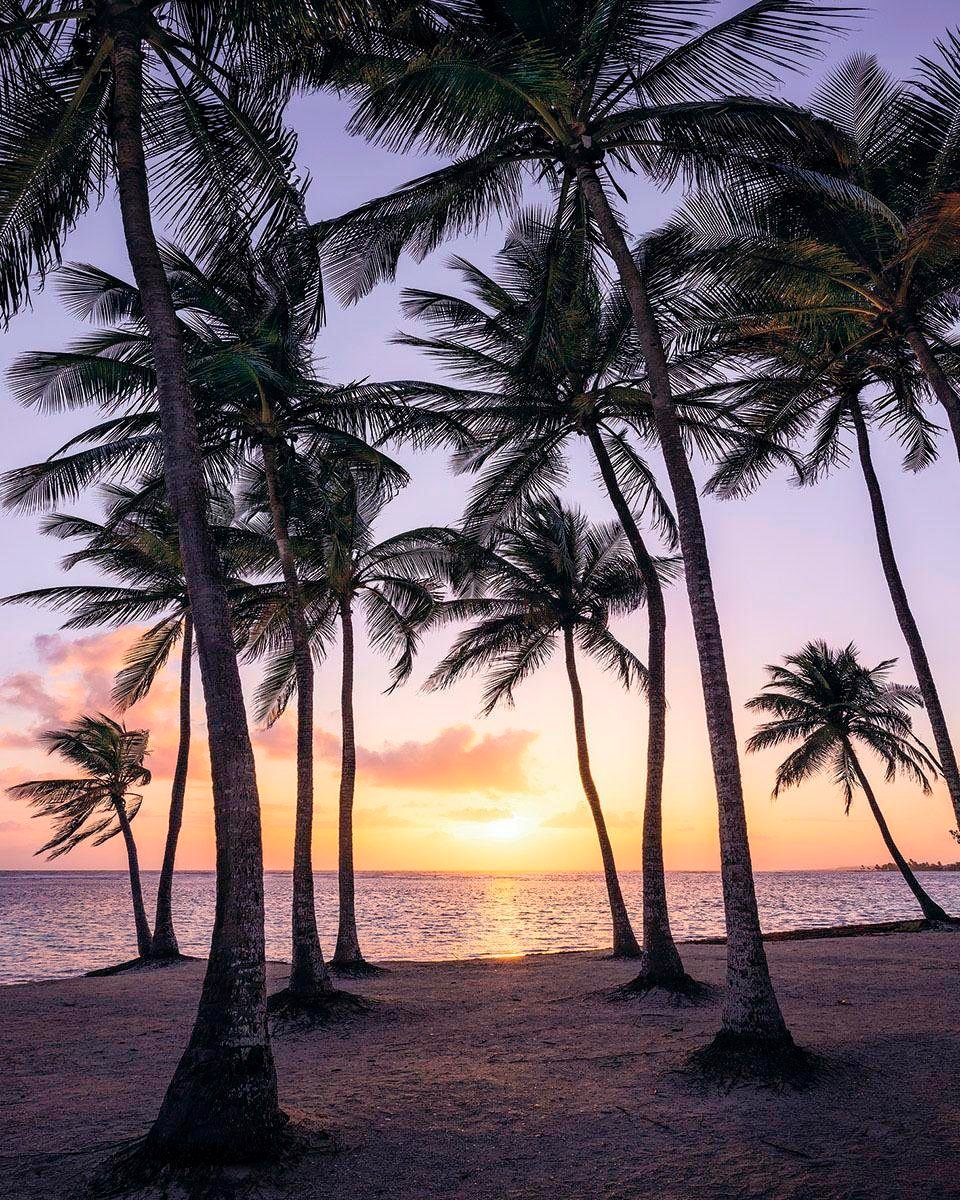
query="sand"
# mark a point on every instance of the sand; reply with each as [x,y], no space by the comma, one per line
[518,1079]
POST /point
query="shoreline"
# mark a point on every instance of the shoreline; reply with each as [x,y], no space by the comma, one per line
[485,1078]
[808,933]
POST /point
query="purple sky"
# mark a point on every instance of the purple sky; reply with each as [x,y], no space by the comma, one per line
[789,565]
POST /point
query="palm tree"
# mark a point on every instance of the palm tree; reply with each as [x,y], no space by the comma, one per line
[341,565]
[249,318]
[566,91]
[811,384]
[865,226]
[546,357]
[104,89]
[554,577]
[138,545]
[826,700]
[101,802]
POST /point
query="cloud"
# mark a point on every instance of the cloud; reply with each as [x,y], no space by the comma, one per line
[11,826]
[456,760]
[478,814]
[580,818]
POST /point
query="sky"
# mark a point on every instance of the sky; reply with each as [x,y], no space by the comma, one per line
[438,787]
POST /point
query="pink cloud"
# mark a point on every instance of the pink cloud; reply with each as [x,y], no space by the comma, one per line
[456,760]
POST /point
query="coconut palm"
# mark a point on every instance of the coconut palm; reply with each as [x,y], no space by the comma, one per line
[138,545]
[553,578]
[566,93]
[809,388]
[826,700]
[100,803]
[192,99]
[341,566]
[545,357]
[864,227]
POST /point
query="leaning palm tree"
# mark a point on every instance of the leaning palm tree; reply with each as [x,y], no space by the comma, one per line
[554,578]
[569,93]
[826,700]
[192,99]
[814,390]
[100,803]
[138,548]
[544,356]
[341,565]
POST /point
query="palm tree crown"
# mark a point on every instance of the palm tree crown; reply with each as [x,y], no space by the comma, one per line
[110,758]
[828,701]
[554,573]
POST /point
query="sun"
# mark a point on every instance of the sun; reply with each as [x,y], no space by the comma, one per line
[502,829]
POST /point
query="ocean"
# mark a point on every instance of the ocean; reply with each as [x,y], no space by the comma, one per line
[60,923]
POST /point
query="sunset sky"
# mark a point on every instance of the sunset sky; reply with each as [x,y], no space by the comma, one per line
[438,787]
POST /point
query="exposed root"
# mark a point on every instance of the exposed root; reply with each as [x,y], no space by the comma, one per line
[140,964]
[320,1008]
[356,970]
[137,1170]
[733,1060]
[679,989]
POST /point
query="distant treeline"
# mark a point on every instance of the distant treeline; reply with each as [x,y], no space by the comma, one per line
[916,866]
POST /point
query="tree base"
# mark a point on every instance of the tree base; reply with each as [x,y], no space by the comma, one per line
[316,1008]
[680,989]
[139,1167]
[736,1059]
[139,964]
[355,969]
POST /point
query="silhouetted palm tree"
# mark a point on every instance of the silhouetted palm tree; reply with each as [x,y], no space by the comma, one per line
[563,92]
[101,802]
[829,703]
[543,357]
[138,545]
[554,577]
[104,90]
[341,565]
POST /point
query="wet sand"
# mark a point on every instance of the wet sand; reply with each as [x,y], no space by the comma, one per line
[518,1078]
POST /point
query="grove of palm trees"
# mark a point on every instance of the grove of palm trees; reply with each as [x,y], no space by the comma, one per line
[494,388]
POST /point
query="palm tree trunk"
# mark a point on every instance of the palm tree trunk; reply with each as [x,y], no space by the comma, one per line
[347,952]
[750,1007]
[308,971]
[136,890]
[935,375]
[661,958]
[625,944]
[164,937]
[905,617]
[222,1101]
[931,910]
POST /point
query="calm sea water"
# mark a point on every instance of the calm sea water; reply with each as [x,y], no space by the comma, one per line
[57,923]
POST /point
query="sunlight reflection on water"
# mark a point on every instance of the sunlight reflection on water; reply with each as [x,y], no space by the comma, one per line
[62,923]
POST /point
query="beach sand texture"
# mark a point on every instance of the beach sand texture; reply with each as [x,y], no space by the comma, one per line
[494,1079]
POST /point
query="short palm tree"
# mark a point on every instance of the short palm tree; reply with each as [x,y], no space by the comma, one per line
[182,108]
[138,546]
[101,802]
[554,578]
[826,700]
[543,357]
[569,93]
[341,566]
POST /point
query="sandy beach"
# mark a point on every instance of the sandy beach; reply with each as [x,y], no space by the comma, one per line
[519,1078]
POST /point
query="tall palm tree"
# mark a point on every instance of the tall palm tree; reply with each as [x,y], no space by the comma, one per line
[100,803]
[811,389]
[115,89]
[545,357]
[569,92]
[553,578]
[138,545]
[826,700]
[341,566]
